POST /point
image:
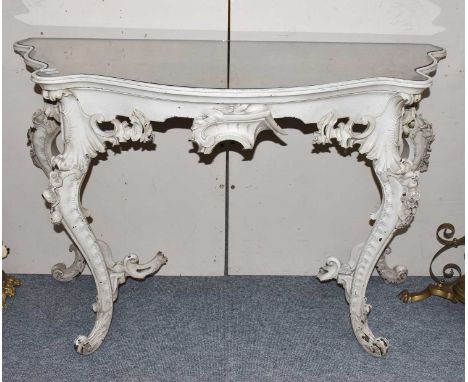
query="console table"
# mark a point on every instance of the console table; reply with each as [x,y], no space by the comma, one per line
[361,96]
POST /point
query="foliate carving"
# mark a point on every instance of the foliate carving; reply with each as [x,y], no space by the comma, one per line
[83,139]
[371,142]
[51,195]
[329,128]
[419,136]
[382,141]
[129,267]
[139,129]
[378,142]
[393,275]
[42,137]
[409,198]
[61,272]
[343,273]
[241,123]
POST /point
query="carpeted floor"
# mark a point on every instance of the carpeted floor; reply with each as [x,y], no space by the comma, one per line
[228,329]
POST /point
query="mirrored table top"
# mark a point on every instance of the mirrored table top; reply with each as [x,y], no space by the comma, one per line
[234,65]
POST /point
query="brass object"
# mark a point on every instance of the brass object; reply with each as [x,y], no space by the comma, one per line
[445,287]
[8,282]
[8,287]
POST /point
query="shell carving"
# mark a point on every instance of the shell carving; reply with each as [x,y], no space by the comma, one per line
[241,123]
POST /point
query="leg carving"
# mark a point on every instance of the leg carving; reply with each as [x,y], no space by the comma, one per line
[63,194]
[393,275]
[83,140]
[61,272]
[42,137]
[398,177]
[400,198]
[129,267]
[418,134]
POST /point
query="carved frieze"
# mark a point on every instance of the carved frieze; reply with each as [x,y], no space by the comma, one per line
[241,123]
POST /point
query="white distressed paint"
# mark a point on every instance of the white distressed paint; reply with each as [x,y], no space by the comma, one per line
[24,211]
[384,105]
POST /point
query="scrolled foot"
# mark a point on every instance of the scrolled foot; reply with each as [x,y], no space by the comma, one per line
[134,269]
[61,272]
[84,346]
[377,346]
[330,270]
[393,275]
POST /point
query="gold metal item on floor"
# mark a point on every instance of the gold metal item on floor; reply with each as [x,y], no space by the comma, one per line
[8,287]
[449,286]
[8,282]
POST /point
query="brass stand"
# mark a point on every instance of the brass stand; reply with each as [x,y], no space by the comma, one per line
[445,287]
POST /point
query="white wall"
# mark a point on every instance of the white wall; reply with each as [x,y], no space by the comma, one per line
[288,206]
[291,208]
[154,190]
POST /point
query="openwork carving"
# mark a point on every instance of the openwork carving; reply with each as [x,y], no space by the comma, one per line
[241,123]
[83,140]
[382,142]
[129,267]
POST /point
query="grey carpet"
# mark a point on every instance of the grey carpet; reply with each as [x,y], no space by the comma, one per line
[228,329]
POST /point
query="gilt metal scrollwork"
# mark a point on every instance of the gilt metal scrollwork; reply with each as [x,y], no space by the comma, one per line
[451,284]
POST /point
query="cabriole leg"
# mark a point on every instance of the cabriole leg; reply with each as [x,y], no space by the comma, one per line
[83,139]
[398,175]
[42,139]
[64,193]
[400,199]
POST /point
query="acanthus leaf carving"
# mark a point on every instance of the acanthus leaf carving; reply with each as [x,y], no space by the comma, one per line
[42,137]
[379,141]
[61,272]
[83,139]
[419,135]
[241,123]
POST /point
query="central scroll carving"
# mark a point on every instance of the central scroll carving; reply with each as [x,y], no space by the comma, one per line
[240,123]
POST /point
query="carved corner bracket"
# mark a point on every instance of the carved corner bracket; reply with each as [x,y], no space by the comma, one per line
[42,135]
[241,123]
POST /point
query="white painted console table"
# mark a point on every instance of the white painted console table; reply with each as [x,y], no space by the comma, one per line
[361,96]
